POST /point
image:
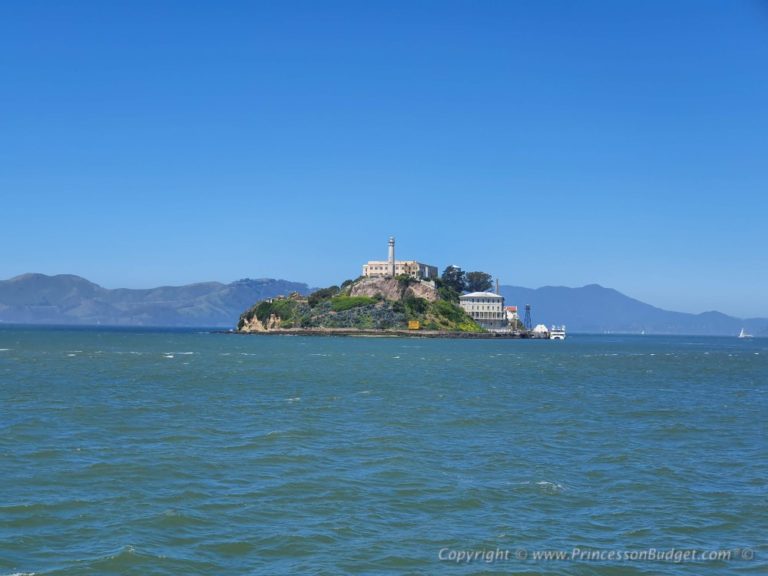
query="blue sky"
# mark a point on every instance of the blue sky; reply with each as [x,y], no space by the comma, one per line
[548,143]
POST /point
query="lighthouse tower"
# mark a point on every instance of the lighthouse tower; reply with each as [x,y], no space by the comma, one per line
[391,256]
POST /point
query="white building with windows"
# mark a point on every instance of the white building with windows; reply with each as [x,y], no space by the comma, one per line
[485,308]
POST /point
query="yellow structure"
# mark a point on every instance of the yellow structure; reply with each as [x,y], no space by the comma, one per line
[414,325]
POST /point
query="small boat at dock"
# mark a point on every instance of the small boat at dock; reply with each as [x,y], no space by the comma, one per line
[557,333]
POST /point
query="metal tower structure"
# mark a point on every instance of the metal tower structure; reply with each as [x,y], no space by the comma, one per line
[391,257]
[527,322]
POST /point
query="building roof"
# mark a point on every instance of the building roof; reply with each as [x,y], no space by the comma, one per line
[481,295]
[370,262]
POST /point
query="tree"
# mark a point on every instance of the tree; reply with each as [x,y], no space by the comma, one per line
[453,278]
[323,294]
[478,281]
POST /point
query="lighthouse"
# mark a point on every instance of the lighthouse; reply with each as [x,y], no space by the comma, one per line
[391,256]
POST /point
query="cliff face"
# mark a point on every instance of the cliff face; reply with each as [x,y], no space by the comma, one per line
[255,325]
[393,289]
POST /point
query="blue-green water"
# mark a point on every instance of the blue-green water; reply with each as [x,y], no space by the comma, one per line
[127,452]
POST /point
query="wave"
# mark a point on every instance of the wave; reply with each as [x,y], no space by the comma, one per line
[550,487]
[130,560]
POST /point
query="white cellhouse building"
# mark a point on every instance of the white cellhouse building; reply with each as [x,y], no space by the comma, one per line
[486,308]
[391,267]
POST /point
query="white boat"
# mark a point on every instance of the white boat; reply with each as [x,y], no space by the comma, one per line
[557,333]
[743,334]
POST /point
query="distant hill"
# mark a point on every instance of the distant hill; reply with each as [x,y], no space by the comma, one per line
[596,309]
[67,299]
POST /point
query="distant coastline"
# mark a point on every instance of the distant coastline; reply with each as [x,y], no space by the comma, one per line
[68,300]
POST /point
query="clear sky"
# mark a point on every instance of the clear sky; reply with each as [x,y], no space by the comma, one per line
[545,142]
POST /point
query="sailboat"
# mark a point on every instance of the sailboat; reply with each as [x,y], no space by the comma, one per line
[743,334]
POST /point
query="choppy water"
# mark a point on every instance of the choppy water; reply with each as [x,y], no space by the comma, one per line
[126,452]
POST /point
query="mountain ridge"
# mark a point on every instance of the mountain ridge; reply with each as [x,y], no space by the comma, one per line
[597,309]
[68,299]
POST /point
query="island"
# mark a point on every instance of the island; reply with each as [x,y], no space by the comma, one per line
[368,305]
[393,298]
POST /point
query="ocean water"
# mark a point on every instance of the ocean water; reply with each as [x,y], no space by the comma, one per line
[152,452]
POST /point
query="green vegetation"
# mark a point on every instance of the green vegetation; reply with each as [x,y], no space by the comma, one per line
[478,282]
[414,307]
[288,310]
[446,292]
[438,315]
[449,311]
[405,280]
[449,314]
[280,307]
[455,281]
[323,294]
[341,303]
[453,278]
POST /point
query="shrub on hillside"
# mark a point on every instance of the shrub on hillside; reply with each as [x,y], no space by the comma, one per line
[449,311]
[415,306]
[341,303]
[323,294]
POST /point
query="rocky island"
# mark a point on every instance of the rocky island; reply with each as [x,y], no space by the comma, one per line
[391,298]
[368,305]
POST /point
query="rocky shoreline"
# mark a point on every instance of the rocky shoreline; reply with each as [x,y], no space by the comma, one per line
[382,333]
